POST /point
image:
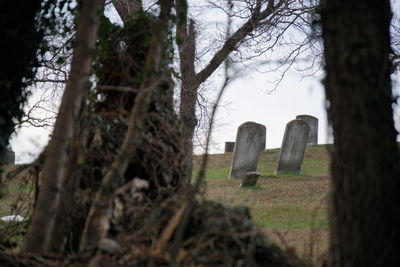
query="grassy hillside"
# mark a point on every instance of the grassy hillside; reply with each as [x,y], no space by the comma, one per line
[290,208]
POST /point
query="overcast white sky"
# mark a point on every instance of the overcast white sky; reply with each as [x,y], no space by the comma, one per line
[245,99]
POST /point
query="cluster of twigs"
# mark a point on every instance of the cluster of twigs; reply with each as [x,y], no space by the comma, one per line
[217,235]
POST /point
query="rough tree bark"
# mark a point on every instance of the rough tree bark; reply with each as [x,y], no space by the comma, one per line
[38,239]
[186,36]
[127,8]
[365,199]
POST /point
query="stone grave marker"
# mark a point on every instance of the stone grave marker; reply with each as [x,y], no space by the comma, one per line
[229,146]
[293,146]
[250,141]
[313,123]
[250,179]
[8,157]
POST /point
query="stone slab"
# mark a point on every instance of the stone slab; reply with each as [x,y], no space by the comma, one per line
[250,142]
[250,179]
[293,146]
[313,123]
[229,147]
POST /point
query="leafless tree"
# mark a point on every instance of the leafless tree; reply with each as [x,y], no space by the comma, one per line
[259,25]
[259,29]
[51,78]
[395,55]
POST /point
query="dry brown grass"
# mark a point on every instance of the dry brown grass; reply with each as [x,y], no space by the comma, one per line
[16,192]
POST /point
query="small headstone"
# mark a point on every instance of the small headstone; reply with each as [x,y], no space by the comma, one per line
[250,142]
[293,146]
[250,179]
[313,123]
[8,157]
[229,146]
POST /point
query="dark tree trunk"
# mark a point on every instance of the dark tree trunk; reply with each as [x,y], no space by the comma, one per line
[365,199]
[185,31]
[20,40]
[189,120]
[189,91]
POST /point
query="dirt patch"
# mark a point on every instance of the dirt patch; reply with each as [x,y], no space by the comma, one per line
[311,245]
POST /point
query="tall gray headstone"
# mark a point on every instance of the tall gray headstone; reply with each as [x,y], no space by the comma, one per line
[293,146]
[229,146]
[313,123]
[250,142]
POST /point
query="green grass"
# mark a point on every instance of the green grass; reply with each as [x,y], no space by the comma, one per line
[290,217]
[279,201]
[19,189]
[291,204]
[214,173]
[267,174]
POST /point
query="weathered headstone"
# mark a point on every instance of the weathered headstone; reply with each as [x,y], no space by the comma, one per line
[293,146]
[229,146]
[8,157]
[250,179]
[313,123]
[250,141]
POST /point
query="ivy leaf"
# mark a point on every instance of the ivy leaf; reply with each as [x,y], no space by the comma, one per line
[60,60]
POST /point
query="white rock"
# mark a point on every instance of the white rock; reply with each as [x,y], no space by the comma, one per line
[140,184]
[12,218]
[109,245]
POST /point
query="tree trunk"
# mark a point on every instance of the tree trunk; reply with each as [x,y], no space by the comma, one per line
[364,212]
[126,9]
[42,226]
[189,87]
[20,40]
[189,119]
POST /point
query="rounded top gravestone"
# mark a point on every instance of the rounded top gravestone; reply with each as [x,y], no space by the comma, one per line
[313,123]
[293,146]
[250,142]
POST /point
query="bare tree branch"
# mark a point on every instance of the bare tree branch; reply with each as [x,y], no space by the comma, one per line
[237,37]
[124,89]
